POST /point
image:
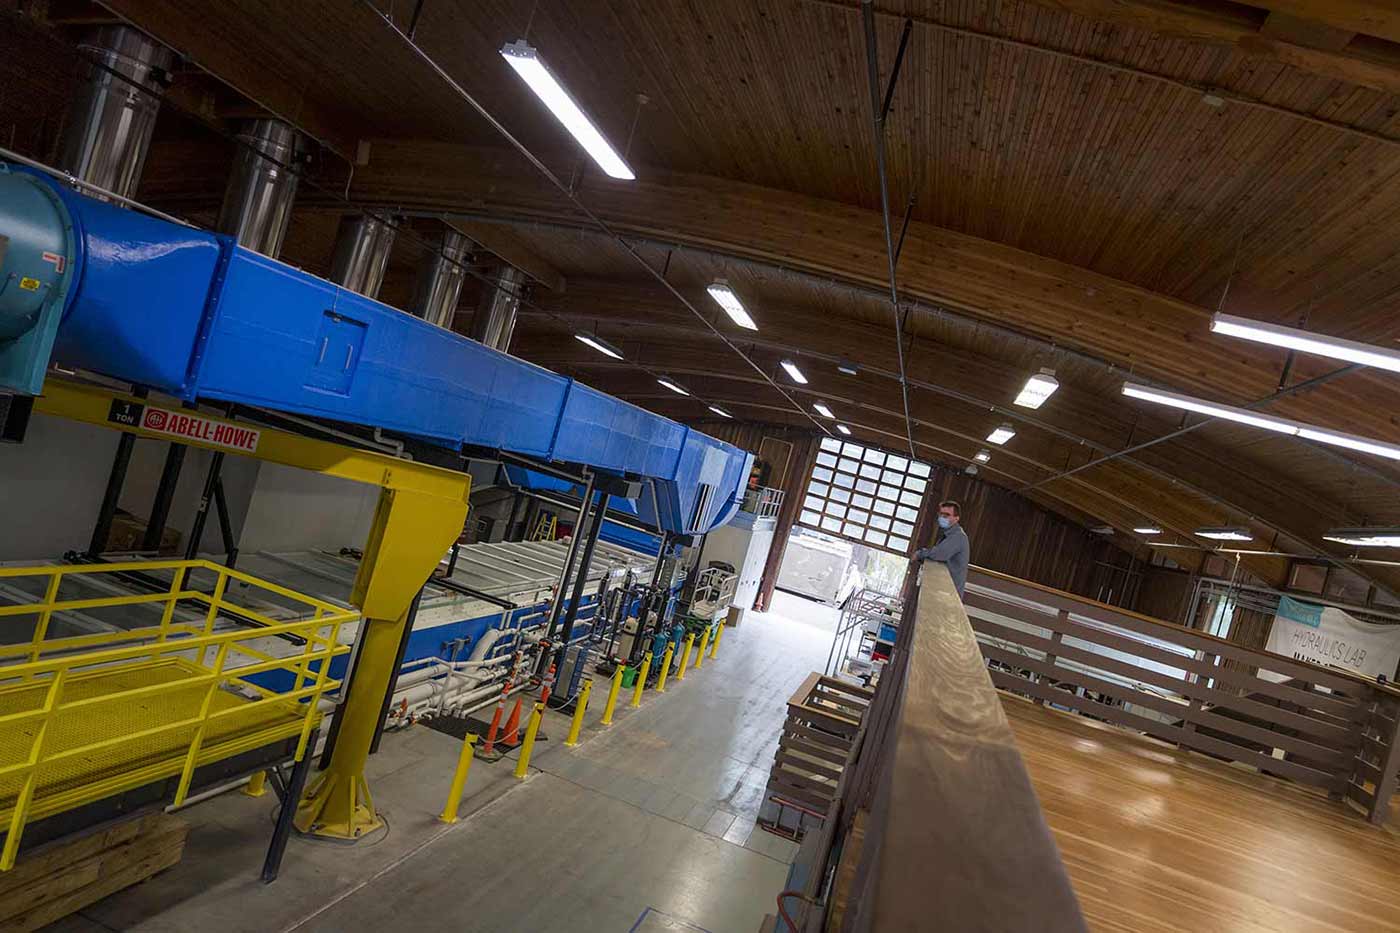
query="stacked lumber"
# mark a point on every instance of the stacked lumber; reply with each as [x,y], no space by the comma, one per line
[62,877]
[823,718]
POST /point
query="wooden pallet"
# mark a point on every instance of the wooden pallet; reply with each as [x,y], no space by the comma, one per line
[823,718]
[64,876]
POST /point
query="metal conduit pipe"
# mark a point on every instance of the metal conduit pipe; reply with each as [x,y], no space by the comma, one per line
[440,280]
[362,246]
[113,112]
[257,203]
[494,321]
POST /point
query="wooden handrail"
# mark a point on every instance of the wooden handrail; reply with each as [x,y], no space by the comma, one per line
[954,835]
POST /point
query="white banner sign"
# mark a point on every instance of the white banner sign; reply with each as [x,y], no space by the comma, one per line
[1328,636]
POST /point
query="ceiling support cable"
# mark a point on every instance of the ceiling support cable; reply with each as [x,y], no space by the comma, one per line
[878,112]
[582,208]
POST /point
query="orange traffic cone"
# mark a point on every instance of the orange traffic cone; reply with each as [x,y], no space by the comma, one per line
[512,736]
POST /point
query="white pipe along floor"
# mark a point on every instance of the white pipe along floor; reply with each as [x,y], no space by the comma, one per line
[646,825]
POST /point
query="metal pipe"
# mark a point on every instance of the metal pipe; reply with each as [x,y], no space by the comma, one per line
[363,243]
[440,280]
[878,122]
[581,578]
[96,190]
[257,203]
[494,321]
[113,112]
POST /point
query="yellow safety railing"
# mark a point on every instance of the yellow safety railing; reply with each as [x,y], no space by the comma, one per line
[151,701]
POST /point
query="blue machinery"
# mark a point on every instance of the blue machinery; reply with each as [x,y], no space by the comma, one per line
[91,287]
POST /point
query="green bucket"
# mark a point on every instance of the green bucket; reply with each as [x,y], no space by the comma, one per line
[629,677]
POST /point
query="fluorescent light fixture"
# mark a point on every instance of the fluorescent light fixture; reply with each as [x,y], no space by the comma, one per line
[1002,434]
[1101,530]
[599,344]
[822,410]
[1148,530]
[1225,534]
[1365,537]
[983,455]
[1349,441]
[1200,406]
[1281,425]
[527,63]
[794,372]
[970,469]
[843,429]
[1306,342]
[724,297]
[1037,389]
[720,411]
[672,385]
[847,368]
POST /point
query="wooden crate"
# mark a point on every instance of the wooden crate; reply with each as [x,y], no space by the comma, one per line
[823,718]
[64,876]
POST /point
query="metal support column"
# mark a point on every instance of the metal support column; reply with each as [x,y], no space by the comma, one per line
[581,578]
[569,559]
[206,499]
[165,494]
[394,678]
[272,864]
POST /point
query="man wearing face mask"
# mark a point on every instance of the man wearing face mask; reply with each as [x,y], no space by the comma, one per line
[952,548]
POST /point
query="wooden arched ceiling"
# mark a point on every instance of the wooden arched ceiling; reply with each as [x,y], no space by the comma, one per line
[1086,178]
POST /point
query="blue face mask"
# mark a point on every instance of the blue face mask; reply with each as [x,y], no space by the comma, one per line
[945,522]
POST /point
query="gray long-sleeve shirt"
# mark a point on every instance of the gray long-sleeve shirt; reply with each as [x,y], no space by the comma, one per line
[952,550]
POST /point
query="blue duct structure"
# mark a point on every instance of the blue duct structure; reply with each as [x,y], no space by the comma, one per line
[92,286]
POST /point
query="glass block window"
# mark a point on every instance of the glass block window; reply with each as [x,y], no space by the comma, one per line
[864,494]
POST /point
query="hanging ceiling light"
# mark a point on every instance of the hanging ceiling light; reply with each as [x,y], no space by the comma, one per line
[1306,342]
[983,455]
[847,368]
[599,344]
[720,411]
[1037,389]
[1148,530]
[1365,537]
[844,430]
[1101,530]
[1281,425]
[1228,533]
[724,297]
[1002,434]
[526,61]
[970,469]
[671,384]
[794,372]
[822,410]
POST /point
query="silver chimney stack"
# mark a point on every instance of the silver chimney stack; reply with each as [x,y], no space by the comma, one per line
[362,247]
[114,111]
[258,200]
[494,322]
[440,282]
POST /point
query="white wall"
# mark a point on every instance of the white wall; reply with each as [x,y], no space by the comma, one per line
[51,487]
[294,509]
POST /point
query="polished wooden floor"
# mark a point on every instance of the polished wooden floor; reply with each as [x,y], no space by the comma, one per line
[1159,839]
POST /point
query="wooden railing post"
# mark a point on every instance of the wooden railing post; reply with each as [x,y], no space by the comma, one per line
[1389,764]
[1055,638]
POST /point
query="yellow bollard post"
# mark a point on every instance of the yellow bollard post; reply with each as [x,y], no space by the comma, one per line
[641,683]
[522,766]
[685,656]
[665,668]
[612,695]
[579,708]
[714,645]
[459,779]
[257,785]
[704,643]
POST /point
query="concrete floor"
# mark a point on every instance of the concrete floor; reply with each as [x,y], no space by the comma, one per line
[646,825]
